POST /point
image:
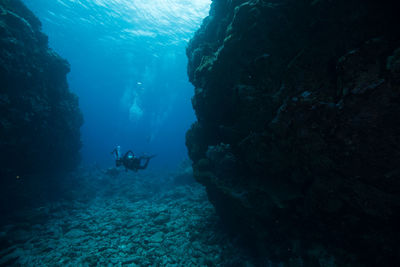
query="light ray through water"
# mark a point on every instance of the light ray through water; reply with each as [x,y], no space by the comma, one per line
[128,67]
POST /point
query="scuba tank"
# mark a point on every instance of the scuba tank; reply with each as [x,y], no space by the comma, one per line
[117,152]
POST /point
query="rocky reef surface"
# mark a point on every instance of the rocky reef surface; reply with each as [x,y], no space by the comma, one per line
[39,117]
[122,219]
[298,132]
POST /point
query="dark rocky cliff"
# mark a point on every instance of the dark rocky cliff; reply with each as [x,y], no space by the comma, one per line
[39,118]
[298,132]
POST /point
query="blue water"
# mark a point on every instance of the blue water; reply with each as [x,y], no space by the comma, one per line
[128,67]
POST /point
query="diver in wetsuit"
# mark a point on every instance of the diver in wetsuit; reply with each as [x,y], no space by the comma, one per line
[129,160]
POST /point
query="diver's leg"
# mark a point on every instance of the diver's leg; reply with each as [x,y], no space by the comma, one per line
[142,167]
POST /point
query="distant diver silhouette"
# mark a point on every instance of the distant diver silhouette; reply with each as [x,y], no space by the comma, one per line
[130,161]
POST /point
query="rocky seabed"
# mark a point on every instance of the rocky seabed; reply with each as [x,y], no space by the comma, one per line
[125,220]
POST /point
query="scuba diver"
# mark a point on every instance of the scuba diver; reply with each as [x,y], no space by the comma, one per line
[129,160]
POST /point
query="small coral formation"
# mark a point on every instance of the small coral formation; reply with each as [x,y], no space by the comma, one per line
[298,132]
[40,119]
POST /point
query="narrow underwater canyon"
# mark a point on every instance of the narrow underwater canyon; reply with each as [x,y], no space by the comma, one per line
[298,132]
[297,144]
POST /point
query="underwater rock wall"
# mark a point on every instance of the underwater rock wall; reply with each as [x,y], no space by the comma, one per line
[298,132]
[39,118]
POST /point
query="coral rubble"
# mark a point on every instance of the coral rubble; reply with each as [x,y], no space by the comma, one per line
[298,132]
[124,219]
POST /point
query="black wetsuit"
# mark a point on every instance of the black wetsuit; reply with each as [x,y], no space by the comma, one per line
[133,163]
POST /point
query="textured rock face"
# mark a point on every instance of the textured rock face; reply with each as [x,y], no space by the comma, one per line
[39,117]
[298,132]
